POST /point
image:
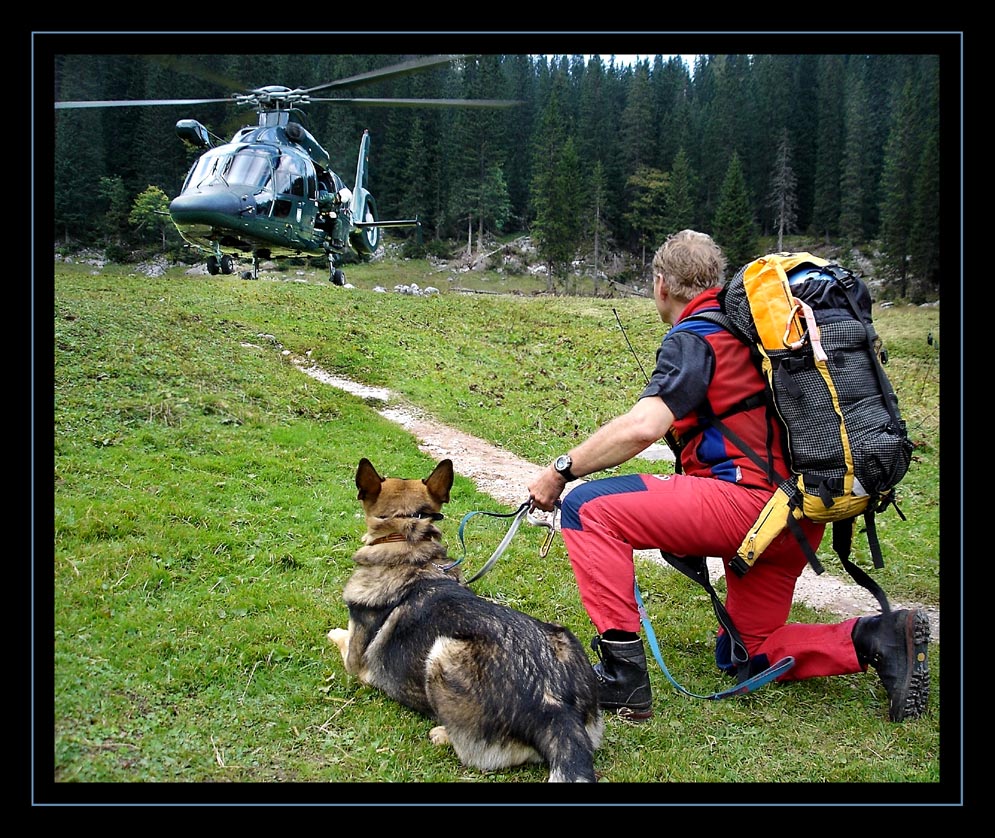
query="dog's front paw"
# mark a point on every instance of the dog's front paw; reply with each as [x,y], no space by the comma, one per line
[340,637]
[438,735]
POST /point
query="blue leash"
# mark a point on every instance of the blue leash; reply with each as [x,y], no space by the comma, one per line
[742,688]
[517,517]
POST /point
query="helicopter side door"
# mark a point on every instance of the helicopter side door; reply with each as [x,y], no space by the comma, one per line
[296,186]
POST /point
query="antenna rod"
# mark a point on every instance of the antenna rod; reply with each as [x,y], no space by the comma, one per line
[633,351]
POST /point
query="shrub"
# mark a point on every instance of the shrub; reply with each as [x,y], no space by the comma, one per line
[117,253]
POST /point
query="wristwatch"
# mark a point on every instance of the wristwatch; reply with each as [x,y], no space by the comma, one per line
[562,465]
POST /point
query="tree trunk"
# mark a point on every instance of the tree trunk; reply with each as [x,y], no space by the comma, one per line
[597,248]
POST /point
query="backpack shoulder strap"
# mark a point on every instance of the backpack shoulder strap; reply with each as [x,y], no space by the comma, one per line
[762,397]
[716,316]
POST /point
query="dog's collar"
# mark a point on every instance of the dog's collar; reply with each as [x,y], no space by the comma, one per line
[434,516]
[394,536]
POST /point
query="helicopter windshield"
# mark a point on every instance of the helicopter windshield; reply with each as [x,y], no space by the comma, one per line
[253,169]
[245,167]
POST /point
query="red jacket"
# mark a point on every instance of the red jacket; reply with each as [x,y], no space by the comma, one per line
[704,450]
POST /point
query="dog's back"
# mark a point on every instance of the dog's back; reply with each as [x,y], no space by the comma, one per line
[511,689]
[506,688]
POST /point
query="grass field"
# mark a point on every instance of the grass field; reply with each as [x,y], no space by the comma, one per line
[204,517]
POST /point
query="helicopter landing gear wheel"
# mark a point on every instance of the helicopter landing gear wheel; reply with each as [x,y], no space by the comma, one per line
[213,268]
[227,264]
[337,277]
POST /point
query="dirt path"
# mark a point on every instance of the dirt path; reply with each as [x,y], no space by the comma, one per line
[505,477]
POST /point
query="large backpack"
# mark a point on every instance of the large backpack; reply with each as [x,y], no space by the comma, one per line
[808,324]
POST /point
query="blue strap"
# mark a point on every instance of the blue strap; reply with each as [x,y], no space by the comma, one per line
[742,688]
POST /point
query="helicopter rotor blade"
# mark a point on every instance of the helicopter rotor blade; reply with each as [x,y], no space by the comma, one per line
[127,103]
[393,71]
[265,96]
[195,69]
[424,103]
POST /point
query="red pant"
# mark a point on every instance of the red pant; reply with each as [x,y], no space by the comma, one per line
[605,520]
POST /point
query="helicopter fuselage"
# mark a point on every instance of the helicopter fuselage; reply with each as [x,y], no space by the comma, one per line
[269,191]
[262,194]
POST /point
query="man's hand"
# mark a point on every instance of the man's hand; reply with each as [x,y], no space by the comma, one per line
[546,489]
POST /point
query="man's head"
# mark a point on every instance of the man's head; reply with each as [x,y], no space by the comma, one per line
[689,263]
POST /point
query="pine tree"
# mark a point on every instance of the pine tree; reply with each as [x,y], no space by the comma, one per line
[679,204]
[925,247]
[479,150]
[555,191]
[599,115]
[708,151]
[783,198]
[648,214]
[112,190]
[520,81]
[494,205]
[734,226]
[829,146]
[897,187]
[774,82]
[670,82]
[638,131]
[854,185]
[598,229]
[80,150]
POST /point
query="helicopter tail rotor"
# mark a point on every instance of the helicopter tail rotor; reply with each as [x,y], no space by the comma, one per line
[366,237]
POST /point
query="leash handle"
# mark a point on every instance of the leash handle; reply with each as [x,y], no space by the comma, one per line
[742,688]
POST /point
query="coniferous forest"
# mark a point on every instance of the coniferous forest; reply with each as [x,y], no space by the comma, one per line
[598,156]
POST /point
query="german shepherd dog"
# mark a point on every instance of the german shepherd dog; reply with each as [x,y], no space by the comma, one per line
[505,688]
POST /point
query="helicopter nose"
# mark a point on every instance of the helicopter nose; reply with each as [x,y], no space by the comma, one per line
[210,207]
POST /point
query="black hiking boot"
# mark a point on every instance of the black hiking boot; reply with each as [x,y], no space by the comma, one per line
[624,682]
[896,645]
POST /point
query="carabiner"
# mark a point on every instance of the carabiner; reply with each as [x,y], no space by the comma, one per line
[544,550]
[550,524]
[797,344]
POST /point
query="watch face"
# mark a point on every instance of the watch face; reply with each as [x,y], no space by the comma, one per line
[563,462]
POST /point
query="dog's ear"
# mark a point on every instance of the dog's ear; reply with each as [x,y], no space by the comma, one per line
[440,481]
[367,480]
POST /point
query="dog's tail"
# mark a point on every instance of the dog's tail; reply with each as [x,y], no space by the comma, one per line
[568,749]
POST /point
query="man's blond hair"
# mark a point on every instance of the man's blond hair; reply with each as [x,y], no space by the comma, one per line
[690,262]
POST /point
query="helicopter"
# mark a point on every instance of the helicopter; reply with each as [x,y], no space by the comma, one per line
[270,191]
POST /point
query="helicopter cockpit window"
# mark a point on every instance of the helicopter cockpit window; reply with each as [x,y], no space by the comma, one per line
[202,170]
[245,167]
[290,175]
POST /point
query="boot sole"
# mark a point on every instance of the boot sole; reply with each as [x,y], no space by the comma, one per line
[916,698]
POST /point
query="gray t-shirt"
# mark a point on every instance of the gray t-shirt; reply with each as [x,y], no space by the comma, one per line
[685,363]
